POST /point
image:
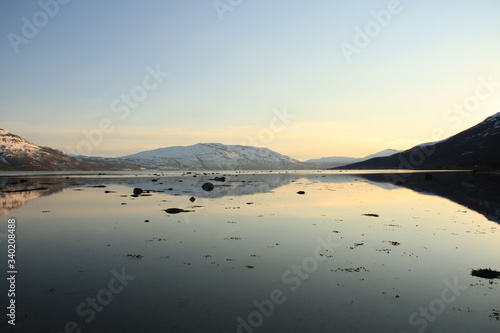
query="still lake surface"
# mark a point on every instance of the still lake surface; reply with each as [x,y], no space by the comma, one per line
[354,253]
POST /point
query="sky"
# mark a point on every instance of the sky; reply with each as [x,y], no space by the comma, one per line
[307,79]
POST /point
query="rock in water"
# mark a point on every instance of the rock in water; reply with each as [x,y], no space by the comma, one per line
[176,210]
[486,273]
[220,179]
[208,187]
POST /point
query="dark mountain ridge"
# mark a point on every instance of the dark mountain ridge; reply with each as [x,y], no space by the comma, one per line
[476,147]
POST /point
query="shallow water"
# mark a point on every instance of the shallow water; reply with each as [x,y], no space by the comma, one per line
[326,265]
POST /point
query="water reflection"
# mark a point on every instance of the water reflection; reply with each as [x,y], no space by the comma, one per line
[254,235]
[15,192]
[478,192]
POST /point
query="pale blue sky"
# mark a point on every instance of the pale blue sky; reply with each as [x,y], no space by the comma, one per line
[226,77]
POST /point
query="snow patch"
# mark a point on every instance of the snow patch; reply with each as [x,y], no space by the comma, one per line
[428,144]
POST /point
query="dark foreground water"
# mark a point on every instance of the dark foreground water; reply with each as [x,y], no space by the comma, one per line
[252,255]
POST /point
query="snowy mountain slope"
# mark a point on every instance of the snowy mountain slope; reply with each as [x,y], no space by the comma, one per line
[332,162]
[213,156]
[477,146]
[17,153]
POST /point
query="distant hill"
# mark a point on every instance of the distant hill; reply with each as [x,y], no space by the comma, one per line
[18,154]
[213,156]
[332,162]
[478,146]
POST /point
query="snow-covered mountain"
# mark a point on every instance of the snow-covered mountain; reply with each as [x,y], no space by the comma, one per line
[478,146]
[17,153]
[213,156]
[332,162]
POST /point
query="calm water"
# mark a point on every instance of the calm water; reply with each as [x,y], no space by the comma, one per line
[252,255]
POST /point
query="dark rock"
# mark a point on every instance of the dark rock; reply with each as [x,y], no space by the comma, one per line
[208,187]
[154,180]
[495,314]
[192,199]
[176,210]
[372,215]
[486,273]
[138,191]
[301,192]
[220,179]
[135,256]
[146,221]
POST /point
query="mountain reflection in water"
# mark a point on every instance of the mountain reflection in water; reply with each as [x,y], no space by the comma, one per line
[478,192]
